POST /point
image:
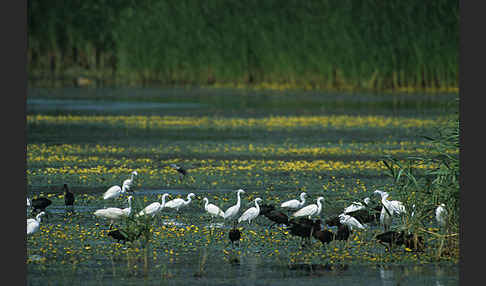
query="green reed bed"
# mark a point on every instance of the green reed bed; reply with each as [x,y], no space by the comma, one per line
[270,44]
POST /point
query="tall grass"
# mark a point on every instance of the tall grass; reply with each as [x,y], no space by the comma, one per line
[315,44]
[423,191]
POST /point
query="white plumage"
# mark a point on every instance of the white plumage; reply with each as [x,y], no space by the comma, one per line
[441,215]
[294,204]
[33,224]
[114,213]
[251,213]
[154,208]
[179,203]
[310,210]
[356,206]
[212,209]
[351,222]
[114,191]
[128,211]
[28,202]
[385,219]
[394,207]
[232,211]
[389,209]
[129,182]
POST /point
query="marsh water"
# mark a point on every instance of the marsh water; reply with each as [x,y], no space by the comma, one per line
[252,266]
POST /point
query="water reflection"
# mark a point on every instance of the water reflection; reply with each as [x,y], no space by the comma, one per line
[387,276]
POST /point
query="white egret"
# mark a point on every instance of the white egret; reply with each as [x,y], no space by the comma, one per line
[350,221]
[356,206]
[385,218]
[128,211]
[33,224]
[28,202]
[114,191]
[154,208]
[179,203]
[389,209]
[295,204]
[251,213]
[441,215]
[113,213]
[129,182]
[310,210]
[232,211]
[394,207]
[212,209]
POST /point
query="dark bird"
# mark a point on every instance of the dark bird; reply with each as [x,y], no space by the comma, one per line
[122,236]
[68,196]
[234,235]
[265,208]
[118,235]
[40,204]
[179,169]
[400,238]
[342,233]
[274,215]
[391,237]
[324,236]
[304,228]
[364,216]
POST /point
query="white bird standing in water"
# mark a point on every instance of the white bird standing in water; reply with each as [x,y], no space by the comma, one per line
[356,206]
[179,203]
[294,204]
[154,208]
[232,211]
[114,192]
[395,207]
[129,182]
[441,215]
[212,209]
[33,224]
[389,209]
[128,211]
[310,210]
[351,222]
[113,213]
[251,213]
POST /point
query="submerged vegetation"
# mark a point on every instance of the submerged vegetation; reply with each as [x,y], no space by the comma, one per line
[316,44]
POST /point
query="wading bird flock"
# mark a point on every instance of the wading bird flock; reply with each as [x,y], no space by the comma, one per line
[293,215]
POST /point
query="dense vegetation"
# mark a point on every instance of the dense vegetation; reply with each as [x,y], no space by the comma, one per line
[277,44]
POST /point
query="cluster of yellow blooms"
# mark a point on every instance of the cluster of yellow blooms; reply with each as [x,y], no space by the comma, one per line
[272,122]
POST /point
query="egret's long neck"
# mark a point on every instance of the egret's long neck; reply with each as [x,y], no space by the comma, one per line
[206,203]
[238,199]
[257,206]
[302,199]
[319,206]
[384,200]
[130,203]
[163,200]
[188,200]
